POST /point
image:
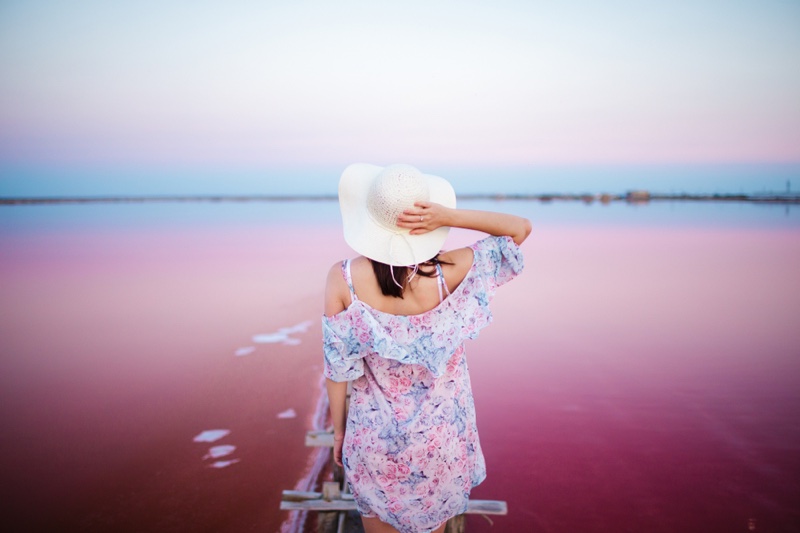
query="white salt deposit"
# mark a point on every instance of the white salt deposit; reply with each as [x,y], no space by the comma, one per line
[268,338]
[216,452]
[211,435]
[246,350]
[289,413]
[283,335]
[223,464]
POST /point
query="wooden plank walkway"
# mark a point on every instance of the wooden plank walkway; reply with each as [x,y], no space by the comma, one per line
[294,500]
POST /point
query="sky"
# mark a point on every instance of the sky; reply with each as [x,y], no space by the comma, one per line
[259,84]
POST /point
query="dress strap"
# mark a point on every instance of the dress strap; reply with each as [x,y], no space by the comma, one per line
[441,283]
[348,278]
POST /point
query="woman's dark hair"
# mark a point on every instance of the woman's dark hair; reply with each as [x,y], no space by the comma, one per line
[384,274]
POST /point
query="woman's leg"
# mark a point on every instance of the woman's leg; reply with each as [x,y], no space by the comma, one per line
[374,525]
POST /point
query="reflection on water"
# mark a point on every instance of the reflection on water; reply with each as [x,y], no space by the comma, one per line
[641,374]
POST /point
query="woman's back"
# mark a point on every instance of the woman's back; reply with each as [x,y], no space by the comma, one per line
[420,295]
[429,334]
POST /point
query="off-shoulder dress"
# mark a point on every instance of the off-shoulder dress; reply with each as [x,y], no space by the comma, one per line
[411,450]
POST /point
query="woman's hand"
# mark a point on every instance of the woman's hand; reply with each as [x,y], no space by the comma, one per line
[338,440]
[424,217]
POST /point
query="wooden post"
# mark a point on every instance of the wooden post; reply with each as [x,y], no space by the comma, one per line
[331,491]
[327,522]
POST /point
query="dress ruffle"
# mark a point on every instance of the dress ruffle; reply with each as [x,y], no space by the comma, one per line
[428,339]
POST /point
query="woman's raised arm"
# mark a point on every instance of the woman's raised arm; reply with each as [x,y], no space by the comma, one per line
[428,216]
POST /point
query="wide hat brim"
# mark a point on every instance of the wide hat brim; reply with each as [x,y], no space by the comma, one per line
[392,246]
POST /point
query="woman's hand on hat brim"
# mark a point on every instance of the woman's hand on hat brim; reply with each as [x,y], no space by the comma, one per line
[423,217]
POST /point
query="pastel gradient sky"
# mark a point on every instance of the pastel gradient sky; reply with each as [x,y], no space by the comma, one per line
[257,83]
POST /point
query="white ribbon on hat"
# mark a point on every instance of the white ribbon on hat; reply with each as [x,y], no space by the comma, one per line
[404,236]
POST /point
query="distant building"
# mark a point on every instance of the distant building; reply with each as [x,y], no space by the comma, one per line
[638,196]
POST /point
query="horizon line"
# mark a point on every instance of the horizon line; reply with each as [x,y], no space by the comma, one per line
[632,196]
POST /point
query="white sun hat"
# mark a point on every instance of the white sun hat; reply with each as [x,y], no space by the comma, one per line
[372,198]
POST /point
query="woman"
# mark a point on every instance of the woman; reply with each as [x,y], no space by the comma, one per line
[395,322]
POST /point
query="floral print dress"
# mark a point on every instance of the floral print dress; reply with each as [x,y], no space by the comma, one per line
[411,450]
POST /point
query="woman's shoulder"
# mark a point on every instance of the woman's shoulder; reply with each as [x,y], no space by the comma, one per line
[337,273]
[459,257]
[456,264]
[337,293]
[336,276]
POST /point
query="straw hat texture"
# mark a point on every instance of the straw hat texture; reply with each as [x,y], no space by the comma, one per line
[372,198]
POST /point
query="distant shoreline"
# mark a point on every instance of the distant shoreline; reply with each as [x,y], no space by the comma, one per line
[635,197]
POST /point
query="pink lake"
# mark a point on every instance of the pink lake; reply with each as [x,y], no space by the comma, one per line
[637,377]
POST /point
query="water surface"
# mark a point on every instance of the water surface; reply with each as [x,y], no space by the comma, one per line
[639,376]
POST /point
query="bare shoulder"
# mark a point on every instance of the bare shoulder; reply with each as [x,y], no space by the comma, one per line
[337,294]
[460,258]
[335,278]
[335,270]
[457,264]
[360,264]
